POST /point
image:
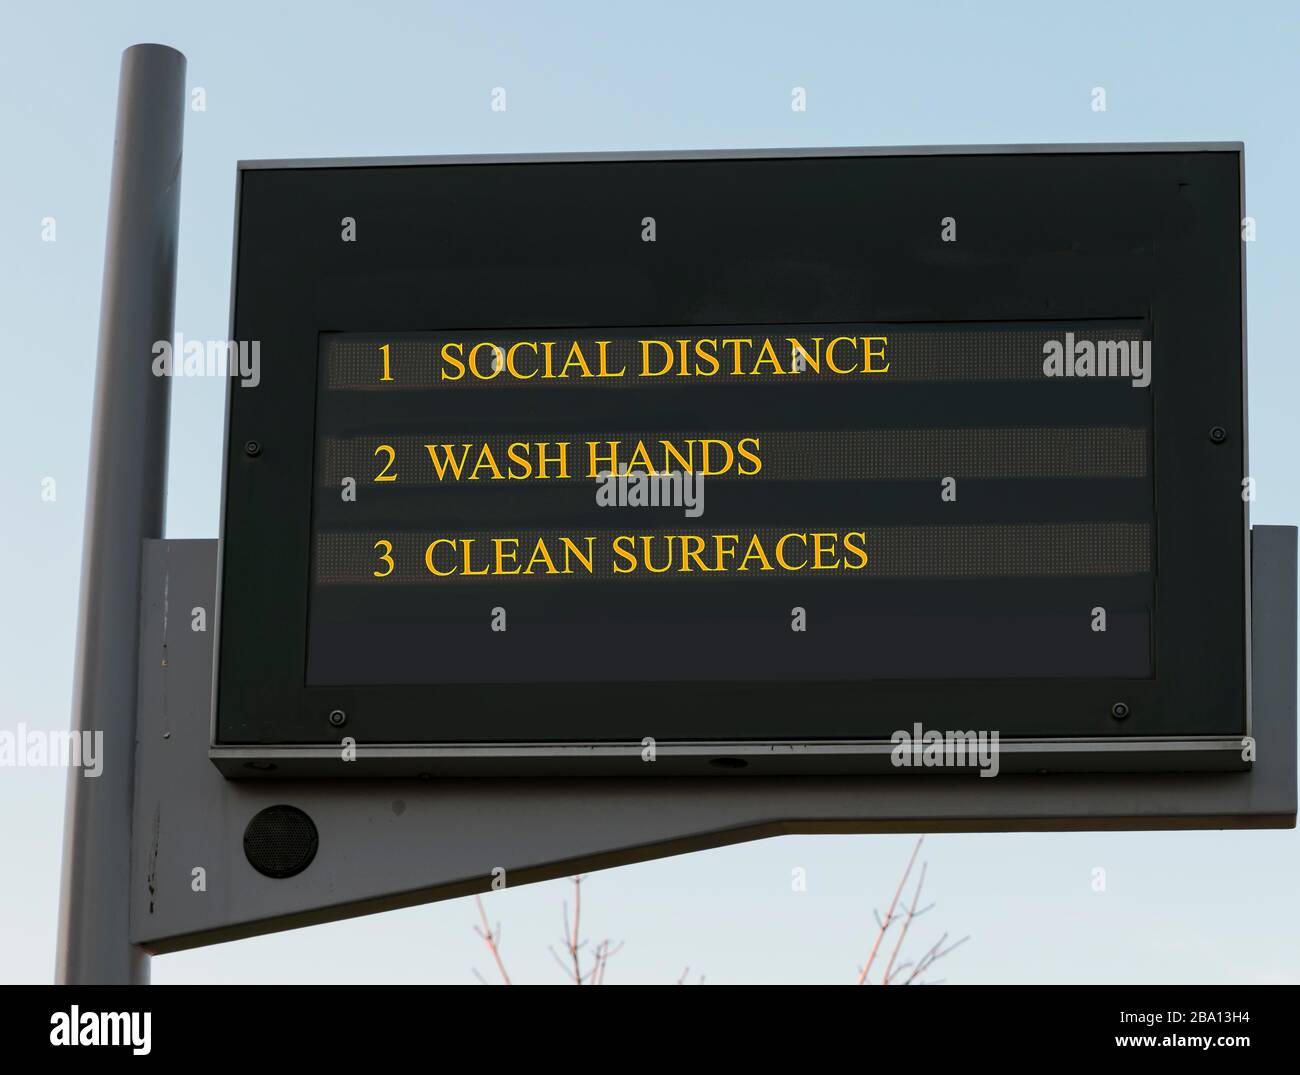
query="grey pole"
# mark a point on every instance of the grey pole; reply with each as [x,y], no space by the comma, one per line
[125,497]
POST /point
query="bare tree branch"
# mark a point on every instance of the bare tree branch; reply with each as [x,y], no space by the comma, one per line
[493,940]
[889,915]
[932,957]
[577,914]
[907,922]
[571,961]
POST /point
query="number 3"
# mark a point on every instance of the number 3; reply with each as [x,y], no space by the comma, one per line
[386,558]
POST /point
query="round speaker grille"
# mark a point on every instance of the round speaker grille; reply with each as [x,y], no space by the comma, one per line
[280,841]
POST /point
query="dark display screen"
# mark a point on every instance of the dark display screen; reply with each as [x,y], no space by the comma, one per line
[817,502]
[792,449]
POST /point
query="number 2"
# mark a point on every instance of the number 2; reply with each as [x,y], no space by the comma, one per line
[383,475]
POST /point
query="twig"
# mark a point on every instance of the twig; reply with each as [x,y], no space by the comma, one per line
[929,959]
[907,922]
[571,961]
[889,916]
[577,912]
[493,940]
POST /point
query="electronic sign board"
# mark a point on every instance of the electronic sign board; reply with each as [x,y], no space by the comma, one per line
[757,459]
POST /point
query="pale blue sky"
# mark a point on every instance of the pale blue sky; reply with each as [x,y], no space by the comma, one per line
[351,79]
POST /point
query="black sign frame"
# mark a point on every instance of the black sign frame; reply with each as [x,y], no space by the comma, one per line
[1047,233]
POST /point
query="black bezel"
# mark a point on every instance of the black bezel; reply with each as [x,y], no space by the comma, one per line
[1056,234]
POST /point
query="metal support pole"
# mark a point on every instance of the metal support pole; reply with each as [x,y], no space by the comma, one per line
[125,499]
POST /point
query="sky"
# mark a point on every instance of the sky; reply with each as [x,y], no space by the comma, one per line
[330,79]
